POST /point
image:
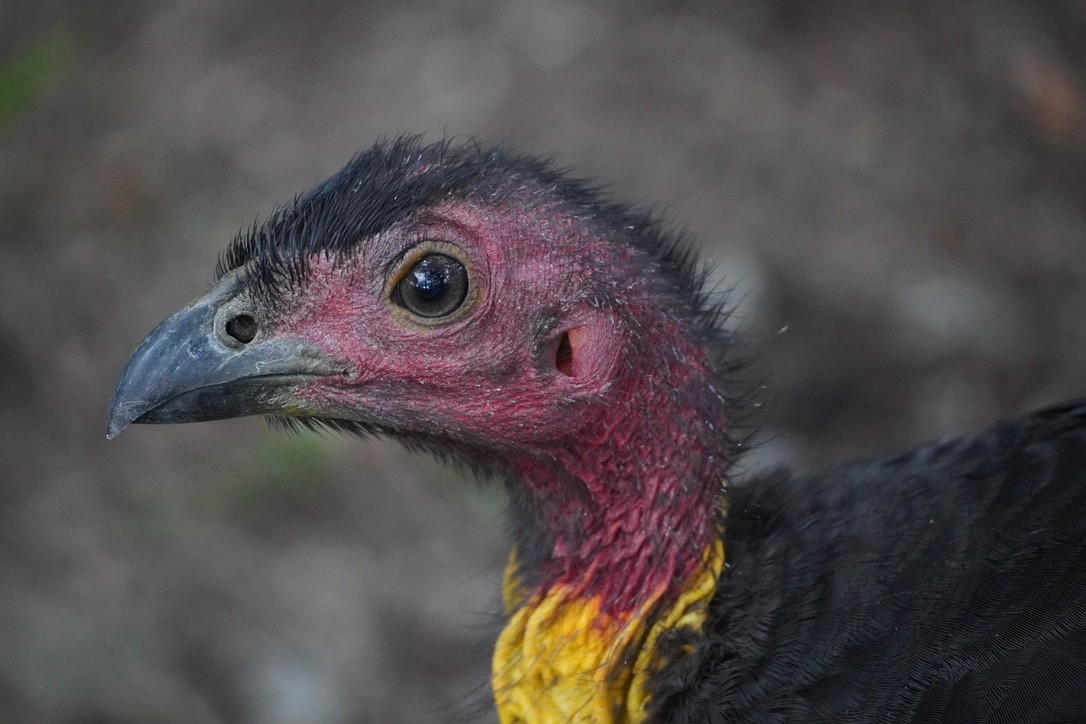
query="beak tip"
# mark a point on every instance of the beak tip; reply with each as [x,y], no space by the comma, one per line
[122,413]
[116,422]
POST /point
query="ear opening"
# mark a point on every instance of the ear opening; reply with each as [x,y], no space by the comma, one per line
[587,352]
[563,357]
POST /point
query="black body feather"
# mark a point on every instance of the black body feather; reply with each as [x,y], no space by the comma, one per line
[943,584]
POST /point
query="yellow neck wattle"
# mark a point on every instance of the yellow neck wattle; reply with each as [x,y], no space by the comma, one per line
[561,659]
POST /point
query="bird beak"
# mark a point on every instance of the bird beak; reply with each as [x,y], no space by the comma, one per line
[189,370]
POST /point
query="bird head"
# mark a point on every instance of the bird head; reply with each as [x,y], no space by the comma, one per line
[467,299]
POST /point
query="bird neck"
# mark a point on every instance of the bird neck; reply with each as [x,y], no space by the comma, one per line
[632,510]
[621,542]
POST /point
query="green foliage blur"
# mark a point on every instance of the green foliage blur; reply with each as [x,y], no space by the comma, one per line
[27,76]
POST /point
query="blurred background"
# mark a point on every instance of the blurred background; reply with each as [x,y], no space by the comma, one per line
[898,196]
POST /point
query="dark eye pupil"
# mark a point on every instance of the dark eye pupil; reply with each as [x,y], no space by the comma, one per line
[430,284]
[434,287]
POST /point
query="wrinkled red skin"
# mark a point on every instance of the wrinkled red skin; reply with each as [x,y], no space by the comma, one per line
[623,459]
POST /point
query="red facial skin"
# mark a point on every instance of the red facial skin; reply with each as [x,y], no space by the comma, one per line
[622,512]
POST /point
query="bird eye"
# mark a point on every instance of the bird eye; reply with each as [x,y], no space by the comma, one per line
[435,286]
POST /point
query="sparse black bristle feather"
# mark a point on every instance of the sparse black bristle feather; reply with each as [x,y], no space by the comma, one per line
[385,185]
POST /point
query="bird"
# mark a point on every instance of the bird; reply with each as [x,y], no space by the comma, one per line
[498,311]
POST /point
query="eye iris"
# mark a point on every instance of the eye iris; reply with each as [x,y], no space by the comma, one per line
[434,287]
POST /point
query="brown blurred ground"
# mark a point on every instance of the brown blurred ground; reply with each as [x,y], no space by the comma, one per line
[898,195]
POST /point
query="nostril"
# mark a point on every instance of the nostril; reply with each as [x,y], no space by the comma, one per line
[243,328]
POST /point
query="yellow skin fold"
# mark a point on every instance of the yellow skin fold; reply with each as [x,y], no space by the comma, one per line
[559,659]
